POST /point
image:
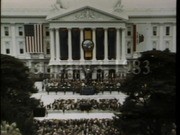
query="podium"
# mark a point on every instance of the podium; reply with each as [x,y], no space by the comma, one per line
[87,90]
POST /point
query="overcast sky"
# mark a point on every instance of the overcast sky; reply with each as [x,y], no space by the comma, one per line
[126,3]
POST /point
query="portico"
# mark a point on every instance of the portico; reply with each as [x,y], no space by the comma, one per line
[87,36]
[55,47]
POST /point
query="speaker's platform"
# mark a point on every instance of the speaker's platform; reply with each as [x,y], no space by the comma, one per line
[88,90]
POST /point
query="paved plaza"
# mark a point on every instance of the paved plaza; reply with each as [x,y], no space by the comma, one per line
[49,98]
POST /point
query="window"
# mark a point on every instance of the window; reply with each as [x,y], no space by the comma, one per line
[20,31]
[47,31]
[7,51]
[128,48]
[167,44]
[7,46]
[76,74]
[167,30]
[21,47]
[6,31]
[129,31]
[154,30]
[100,75]
[47,48]
[48,70]
[154,45]
[112,73]
[48,51]
[21,51]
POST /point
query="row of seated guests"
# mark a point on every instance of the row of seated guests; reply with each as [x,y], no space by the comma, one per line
[56,85]
[84,104]
[75,127]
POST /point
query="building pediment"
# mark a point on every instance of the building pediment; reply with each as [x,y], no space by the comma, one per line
[86,14]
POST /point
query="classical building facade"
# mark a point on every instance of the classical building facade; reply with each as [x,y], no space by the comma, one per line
[73,41]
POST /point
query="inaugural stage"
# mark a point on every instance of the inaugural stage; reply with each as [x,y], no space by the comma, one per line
[88,90]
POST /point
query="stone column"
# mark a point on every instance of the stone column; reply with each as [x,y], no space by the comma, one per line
[52,44]
[147,37]
[69,45]
[13,35]
[161,34]
[105,44]
[123,49]
[173,49]
[117,44]
[94,41]
[57,46]
[81,40]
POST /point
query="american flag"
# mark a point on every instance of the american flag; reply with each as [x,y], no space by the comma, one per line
[34,38]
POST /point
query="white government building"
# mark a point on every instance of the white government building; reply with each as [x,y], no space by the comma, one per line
[85,37]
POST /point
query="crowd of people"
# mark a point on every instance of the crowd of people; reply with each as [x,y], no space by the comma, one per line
[78,126]
[75,127]
[84,104]
[76,85]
